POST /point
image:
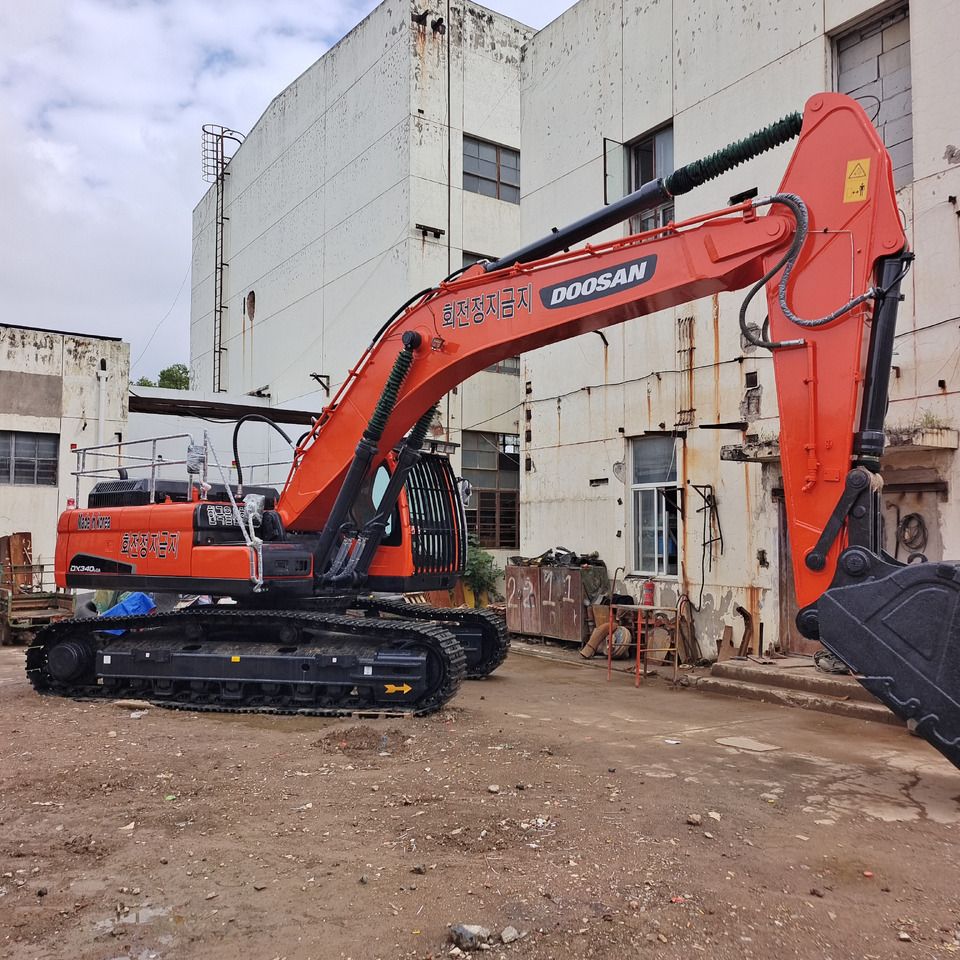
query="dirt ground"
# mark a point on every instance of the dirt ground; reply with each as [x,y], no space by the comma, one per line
[593,818]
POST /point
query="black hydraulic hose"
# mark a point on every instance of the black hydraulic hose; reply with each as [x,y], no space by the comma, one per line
[787,263]
[236,432]
[396,313]
[800,212]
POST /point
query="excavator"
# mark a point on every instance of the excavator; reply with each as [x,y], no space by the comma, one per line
[367,510]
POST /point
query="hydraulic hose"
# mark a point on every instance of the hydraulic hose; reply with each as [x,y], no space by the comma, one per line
[236,432]
[787,263]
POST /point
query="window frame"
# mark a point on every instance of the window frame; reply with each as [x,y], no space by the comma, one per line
[510,366]
[15,465]
[661,495]
[495,495]
[502,181]
[660,163]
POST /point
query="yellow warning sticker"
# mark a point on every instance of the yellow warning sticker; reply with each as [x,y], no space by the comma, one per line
[855,186]
[234,659]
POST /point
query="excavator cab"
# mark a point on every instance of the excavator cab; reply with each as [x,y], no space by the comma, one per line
[424,544]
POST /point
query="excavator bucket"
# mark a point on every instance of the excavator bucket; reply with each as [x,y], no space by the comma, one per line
[897,629]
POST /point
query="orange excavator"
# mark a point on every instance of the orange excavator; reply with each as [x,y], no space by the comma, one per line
[366,510]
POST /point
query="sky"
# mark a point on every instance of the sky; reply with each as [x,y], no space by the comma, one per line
[102,103]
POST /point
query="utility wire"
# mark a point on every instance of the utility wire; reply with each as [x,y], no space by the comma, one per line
[161,322]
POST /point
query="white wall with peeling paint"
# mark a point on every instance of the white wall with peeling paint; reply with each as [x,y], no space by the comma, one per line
[51,383]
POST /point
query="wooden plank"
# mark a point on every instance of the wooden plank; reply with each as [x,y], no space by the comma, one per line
[6,568]
[21,558]
[725,647]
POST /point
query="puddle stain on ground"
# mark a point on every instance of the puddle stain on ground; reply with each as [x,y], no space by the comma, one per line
[136,916]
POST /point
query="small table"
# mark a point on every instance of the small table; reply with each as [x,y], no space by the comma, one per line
[645,619]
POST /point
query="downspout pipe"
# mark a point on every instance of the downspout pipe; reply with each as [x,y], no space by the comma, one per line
[101,402]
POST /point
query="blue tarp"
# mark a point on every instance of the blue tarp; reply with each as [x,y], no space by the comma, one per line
[135,604]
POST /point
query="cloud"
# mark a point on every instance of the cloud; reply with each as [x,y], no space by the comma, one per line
[101,108]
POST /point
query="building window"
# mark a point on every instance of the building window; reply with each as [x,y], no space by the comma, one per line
[491,170]
[872,64]
[654,499]
[651,157]
[29,459]
[469,259]
[491,464]
[509,365]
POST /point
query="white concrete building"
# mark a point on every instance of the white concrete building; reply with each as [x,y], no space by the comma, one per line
[349,195]
[59,390]
[625,467]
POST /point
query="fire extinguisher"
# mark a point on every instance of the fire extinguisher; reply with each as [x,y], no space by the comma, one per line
[648,594]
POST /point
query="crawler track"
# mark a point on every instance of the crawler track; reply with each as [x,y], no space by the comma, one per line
[482,634]
[252,661]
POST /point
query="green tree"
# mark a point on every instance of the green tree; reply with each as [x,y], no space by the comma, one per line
[175,377]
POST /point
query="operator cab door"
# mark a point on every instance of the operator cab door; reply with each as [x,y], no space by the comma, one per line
[424,545]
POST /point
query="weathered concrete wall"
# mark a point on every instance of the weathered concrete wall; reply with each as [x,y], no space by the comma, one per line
[53,383]
[317,206]
[325,192]
[324,196]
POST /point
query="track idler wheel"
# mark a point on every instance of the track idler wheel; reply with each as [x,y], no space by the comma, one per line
[70,659]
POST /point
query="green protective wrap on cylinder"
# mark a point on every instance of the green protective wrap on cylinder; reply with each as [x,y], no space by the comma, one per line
[700,171]
[419,431]
[388,398]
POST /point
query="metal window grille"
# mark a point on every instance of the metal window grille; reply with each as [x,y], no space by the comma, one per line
[491,462]
[491,170]
[29,459]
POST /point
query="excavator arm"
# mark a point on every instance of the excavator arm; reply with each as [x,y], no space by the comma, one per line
[831,252]
[470,323]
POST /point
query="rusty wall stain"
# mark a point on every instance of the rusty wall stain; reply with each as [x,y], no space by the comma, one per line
[715,303]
